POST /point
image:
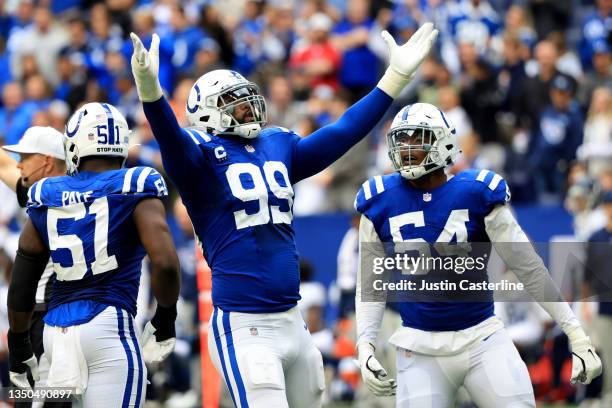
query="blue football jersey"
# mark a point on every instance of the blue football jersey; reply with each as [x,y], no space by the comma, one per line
[239,195]
[86,222]
[240,202]
[453,213]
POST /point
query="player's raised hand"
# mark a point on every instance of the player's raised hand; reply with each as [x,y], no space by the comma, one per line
[145,68]
[586,364]
[405,59]
[21,359]
[373,374]
[159,335]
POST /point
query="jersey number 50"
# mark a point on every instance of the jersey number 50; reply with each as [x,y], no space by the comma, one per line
[259,192]
[102,262]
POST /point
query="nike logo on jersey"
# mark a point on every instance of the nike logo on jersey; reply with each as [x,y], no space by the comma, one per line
[75,197]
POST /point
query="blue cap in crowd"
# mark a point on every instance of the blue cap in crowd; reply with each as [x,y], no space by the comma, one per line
[564,83]
[601,47]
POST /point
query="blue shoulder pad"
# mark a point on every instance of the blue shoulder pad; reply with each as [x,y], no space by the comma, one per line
[145,181]
[496,191]
[369,189]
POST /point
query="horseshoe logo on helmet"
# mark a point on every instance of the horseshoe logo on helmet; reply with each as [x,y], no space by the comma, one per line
[71,133]
[195,108]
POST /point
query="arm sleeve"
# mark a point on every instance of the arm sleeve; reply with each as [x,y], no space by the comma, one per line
[179,150]
[323,147]
[22,193]
[368,314]
[513,246]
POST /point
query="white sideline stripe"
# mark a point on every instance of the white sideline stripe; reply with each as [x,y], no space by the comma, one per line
[141,179]
[127,180]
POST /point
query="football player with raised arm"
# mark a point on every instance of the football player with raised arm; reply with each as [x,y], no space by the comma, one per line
[96,224]
[443,345]
[235,178]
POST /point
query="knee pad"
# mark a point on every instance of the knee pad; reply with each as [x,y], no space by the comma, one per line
[263,369]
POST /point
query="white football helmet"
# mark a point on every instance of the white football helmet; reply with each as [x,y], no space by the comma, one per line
[424,127]
[95,129]
[216,96]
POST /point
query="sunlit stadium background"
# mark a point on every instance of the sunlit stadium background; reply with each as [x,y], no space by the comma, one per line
[527,84]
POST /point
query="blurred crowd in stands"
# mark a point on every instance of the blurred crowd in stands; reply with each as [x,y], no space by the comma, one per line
[527,84]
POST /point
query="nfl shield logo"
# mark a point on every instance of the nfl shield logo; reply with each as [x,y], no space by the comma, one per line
[254,331]
[249,148]
[427,197]
[91,136]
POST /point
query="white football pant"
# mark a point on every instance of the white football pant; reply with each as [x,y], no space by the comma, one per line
[491,371]
[115,375]
[266,360]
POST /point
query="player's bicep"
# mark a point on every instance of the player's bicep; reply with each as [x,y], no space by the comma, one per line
[150,219]
[30,241]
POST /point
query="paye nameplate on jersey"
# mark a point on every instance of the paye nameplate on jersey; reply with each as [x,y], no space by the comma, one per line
[417,271]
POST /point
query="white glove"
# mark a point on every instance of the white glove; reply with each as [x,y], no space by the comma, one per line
[373,374]
[404,60]
[21,379]
[152,350]
[586,364]
[21,359]
[145,68]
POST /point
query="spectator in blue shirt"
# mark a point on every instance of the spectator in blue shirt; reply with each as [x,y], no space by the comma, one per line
[351,37]
[247,38]
[104,36]
[186,38]
[558,135]
[37,92]
[15,116]
[144,27]
[596,28]
[474,21]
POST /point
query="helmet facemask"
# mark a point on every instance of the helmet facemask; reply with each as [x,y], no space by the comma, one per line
[413,150]
[242,109]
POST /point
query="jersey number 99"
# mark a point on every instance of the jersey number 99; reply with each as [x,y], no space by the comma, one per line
[259,192]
